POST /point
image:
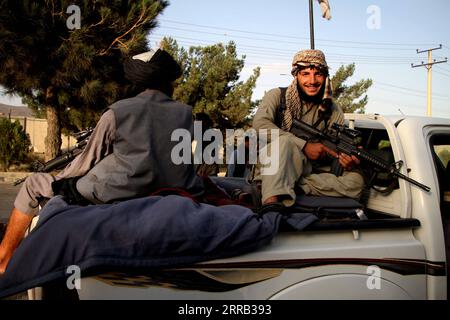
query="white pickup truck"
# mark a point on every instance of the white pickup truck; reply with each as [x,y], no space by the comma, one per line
[399,252]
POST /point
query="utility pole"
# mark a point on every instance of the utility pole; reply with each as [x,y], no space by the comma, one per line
[311,24]
[429,67]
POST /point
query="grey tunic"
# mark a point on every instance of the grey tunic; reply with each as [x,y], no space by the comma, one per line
[141,159]
[125,169]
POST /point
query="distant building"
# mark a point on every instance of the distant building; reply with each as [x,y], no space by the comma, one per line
[13,111]
[35,128]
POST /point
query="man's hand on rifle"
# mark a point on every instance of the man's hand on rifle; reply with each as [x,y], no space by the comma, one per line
[316,150]
[348,162]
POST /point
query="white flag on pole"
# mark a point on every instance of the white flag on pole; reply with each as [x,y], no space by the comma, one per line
[325,6]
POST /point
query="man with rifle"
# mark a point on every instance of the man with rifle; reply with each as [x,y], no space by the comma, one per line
[127,156]
[308,99]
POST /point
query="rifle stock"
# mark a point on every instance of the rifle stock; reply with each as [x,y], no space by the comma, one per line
[343,142]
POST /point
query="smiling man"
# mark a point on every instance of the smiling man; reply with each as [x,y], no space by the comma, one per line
[302,163]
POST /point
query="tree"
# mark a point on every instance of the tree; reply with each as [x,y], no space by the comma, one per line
[14,143]
[348,97]
[444,156]
[210,82]
[67,60]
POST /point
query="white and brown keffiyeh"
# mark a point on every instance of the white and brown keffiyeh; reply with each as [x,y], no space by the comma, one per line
[294,104]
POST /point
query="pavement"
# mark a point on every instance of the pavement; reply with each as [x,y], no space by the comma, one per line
[7,195]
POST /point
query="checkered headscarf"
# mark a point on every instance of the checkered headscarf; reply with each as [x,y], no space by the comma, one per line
[304,59]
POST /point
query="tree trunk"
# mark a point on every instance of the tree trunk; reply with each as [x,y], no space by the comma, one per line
[4,167]
[53,139]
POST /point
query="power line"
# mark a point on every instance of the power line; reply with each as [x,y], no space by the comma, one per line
[269,51]
[391,102]
[296,42]
[286,52]
[228,35]
[442,70]
[441,67]
[398,91]
[442,74]
[294,37]
[409,94]
[330,57]
[346,59]
[408,89]
[252,51]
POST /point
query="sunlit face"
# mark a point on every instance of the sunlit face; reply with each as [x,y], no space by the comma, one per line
[311,80]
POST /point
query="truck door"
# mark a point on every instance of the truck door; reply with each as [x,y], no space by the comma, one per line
[440,147]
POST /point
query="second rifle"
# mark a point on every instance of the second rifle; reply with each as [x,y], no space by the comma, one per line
[65,158]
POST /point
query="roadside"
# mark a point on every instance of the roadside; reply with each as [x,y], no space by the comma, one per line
[8,192]
[7,195]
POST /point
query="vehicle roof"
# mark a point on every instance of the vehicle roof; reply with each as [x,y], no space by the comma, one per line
[373,120]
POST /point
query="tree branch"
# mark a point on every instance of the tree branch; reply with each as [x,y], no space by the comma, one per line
[137,24]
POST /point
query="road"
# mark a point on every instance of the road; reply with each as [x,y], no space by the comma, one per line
[7,195]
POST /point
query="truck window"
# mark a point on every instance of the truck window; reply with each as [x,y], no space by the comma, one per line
[440,147]
[376,141]
[443,154]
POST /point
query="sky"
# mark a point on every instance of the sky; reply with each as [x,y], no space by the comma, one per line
[380,36]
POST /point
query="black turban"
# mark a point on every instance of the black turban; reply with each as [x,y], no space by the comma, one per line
[161,68]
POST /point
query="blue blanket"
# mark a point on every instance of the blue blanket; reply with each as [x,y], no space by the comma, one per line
[152,232]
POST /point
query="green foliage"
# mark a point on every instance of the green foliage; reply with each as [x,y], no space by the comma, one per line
[14,143]
[51,66]
[444,155]
[349,97]
[210,83]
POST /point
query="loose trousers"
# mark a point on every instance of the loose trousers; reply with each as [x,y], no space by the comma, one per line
[293,168]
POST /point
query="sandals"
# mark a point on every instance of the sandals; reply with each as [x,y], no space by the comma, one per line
[271,207]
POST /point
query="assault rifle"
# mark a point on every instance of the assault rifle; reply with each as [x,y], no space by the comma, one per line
[61,161]
[344,140]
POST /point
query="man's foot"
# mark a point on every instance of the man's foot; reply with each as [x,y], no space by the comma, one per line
[271,204]
[271,207]
[272,199]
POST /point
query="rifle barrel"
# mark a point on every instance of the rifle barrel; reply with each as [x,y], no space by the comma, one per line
[418,184]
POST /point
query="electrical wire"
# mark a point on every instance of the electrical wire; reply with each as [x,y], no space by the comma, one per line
[296,37]
[375,86]
[267,52]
